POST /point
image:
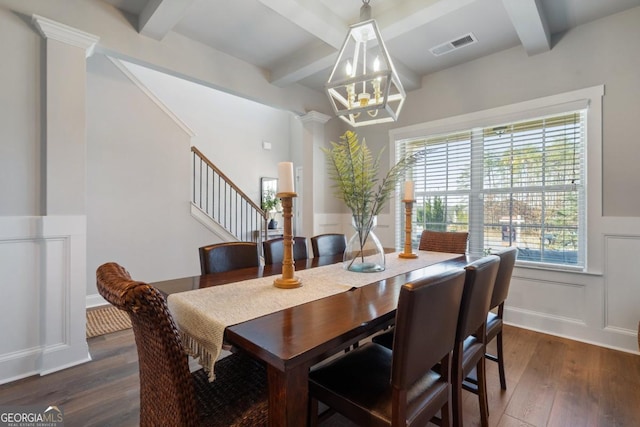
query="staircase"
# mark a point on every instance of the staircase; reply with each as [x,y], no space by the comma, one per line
[234,216]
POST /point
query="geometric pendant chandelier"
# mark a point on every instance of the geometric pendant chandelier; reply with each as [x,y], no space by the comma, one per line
[364,87]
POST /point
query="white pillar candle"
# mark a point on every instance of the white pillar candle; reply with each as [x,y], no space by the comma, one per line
[408,190]
[285,177]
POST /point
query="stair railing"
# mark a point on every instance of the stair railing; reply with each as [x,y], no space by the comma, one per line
[216,195]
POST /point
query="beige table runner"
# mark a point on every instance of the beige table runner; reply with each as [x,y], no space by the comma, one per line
[203,314]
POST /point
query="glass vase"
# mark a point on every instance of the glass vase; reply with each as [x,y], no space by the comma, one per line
[364,253]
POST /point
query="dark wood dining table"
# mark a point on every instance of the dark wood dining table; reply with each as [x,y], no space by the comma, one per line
[292,340]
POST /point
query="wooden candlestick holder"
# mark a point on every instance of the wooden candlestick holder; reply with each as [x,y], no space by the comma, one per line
[408,208]
[288,280]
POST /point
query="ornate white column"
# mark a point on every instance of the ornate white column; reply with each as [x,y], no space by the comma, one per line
[314,176]
[64,115]
[62,231]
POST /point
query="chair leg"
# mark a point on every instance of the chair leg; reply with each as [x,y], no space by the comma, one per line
[503,380]
[445,415]
[483,401]
[456,400]
[456,387]
[313,412]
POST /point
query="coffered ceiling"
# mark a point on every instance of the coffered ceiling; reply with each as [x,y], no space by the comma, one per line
[296,41]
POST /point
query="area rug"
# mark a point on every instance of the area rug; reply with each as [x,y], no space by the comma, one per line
[105,320]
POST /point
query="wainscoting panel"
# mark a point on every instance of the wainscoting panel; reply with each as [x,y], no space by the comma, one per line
[341,223]
[581,306]
[56,292]
[622,283]
[330,223]
[532,295]
[44,272]
[19,305]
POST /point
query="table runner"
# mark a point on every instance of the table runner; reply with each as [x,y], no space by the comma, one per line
[203,314]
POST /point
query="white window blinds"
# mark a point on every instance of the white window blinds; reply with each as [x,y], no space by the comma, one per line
[514,184]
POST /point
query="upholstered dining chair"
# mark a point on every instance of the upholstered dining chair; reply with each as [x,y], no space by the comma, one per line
[470,345]
[375,387]
[169,394]
[444,241]
[273,250]
[494,320]
[328,244]
[221,257]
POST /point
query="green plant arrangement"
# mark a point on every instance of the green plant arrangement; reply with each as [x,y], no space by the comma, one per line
[354,171]
[270,202]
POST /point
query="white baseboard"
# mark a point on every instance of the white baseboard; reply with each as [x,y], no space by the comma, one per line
[616,340]
[95,300]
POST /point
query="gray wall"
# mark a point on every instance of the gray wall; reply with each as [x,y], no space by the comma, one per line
[228,129]
[139,166]
[605,51]
[138,182]
[20,134]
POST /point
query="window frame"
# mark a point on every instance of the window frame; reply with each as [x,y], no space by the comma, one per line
[589,98]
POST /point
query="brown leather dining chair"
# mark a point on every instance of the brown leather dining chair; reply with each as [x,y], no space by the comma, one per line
[469,350]
[470,346]
[169,394]
[444,241]
[273,250]
[494,320]
[328,244]
[221,257]
[374,387]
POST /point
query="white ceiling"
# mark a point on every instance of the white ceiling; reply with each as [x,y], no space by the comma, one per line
[296,41]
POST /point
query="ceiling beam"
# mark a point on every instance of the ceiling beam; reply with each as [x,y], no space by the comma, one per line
[303,63]
[158,17]
[312,16]
[323,24]
[530,24]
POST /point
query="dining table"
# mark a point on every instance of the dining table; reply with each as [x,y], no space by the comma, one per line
[292,340]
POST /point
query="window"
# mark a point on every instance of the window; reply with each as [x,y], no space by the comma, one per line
[518,183]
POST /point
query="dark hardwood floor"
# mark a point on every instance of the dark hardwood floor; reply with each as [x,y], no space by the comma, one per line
[551,381]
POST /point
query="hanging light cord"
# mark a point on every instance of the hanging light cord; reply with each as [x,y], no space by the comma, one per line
[365,11]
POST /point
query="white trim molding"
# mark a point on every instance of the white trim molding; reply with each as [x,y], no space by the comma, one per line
[50,29]
[212,225]
[45,265]
[122,66]
[314,117]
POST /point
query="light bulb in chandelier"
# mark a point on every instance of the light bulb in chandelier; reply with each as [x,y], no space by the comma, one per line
[363,99]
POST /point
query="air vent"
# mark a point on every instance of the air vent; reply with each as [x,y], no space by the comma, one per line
[452,45]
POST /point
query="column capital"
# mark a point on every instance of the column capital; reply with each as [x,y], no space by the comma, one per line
[54,30]
[314,117]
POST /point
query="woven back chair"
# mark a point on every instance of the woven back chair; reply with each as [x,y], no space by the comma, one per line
[444,241]
[169,393]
